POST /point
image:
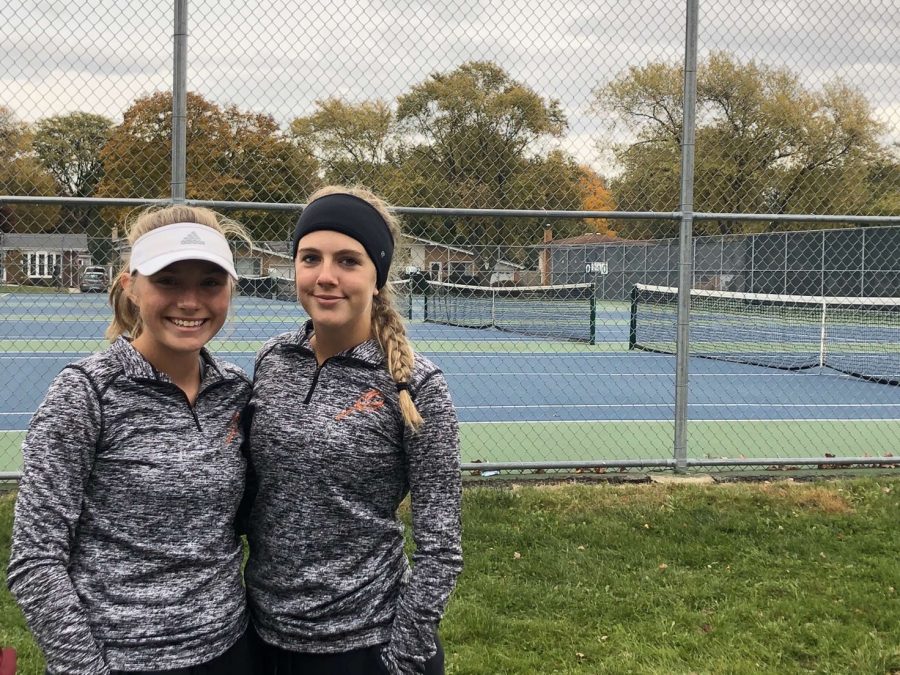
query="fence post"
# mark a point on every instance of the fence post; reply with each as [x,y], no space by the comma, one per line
[179,103]
[685,243]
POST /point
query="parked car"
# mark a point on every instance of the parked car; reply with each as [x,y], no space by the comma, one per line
[93,280]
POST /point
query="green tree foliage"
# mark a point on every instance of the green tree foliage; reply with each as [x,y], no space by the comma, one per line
[765,143]
[473,140]
[354,144]
[232,155]
[21,174]
[68,147]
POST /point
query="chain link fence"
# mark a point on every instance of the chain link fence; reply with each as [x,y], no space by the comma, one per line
[535,155]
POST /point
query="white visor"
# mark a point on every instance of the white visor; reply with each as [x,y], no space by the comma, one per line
[182,241]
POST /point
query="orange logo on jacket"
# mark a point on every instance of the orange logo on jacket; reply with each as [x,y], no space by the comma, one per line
[368,400]
[233,428]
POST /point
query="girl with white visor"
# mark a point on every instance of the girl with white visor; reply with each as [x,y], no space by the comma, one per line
[125,556]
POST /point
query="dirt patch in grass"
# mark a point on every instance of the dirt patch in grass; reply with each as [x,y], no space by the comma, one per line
[809,498]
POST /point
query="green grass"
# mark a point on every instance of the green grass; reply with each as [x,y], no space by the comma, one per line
[660,578]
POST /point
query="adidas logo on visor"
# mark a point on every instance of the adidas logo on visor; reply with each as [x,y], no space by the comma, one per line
[192,239]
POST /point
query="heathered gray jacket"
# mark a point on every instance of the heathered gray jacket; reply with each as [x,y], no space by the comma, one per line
[327,570]
[124,551]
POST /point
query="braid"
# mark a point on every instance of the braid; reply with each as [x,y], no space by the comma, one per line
[387,325]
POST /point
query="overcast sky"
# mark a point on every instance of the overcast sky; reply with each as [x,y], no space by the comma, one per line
[279,57]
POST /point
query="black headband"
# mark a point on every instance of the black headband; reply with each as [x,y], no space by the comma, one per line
[357,219]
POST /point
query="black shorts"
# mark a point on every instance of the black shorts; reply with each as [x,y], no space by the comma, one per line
[240,659]
[364,661]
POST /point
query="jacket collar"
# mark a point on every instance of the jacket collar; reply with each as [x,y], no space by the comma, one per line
[368,352]
[136,367]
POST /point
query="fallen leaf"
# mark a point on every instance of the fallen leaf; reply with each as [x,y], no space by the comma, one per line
[516,555]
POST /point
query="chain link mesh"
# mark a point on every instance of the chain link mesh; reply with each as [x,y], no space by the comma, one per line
[464,105]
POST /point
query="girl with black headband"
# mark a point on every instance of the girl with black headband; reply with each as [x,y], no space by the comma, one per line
[346,421]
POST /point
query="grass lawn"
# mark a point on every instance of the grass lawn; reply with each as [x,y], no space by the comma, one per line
[782,577]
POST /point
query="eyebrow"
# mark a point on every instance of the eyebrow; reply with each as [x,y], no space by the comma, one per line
[343,251]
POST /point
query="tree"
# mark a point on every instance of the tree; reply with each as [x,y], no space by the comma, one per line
[68,147]
[764,142]
[22,175]
[352,143]
[473,139]
[232,155]
[595,196]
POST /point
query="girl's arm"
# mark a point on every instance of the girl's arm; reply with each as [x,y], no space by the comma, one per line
[59,455]
[435,489]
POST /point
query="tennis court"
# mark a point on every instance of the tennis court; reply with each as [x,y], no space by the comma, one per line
[522,399]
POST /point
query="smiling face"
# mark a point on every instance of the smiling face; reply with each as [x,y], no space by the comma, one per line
[182,307]
[336,285]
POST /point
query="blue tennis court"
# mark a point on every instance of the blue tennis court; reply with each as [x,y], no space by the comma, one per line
[518,398]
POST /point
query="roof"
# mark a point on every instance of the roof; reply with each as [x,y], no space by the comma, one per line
[44,242]
[590,238]
[457,249]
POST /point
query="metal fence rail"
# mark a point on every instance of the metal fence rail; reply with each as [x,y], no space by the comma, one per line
[732,150]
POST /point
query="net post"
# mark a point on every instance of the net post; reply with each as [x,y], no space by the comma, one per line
[593,328]
[409,294]
[425,293]
[822,335]
[632,324]
[493,308]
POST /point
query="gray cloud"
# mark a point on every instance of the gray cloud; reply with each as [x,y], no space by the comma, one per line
[280,56]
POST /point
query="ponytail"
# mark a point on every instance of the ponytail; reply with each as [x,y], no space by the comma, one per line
[126,317]
[387,325]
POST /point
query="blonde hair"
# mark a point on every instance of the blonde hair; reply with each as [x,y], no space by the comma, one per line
[126,317]
[387,324]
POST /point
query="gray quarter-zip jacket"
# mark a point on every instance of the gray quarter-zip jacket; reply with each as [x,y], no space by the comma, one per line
[124,552]
[333,459]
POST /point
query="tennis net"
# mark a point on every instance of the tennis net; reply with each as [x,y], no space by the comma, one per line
[277,288]
[271,288]
[563,312]
[856,336]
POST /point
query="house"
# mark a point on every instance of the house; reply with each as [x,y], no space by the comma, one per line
[43,259]
[442,262]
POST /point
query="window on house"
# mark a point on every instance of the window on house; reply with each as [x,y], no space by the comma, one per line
[41,264]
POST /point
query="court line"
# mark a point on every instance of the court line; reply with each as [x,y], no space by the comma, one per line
[665,374]
[671,422]
[769,404]
[668,422]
